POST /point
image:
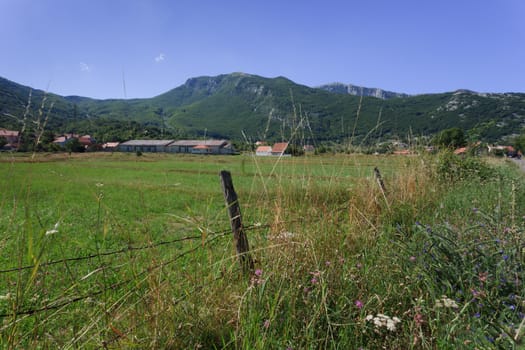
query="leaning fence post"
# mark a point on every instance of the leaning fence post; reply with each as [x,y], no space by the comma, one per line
[381,184]
[379,180]
[234,211]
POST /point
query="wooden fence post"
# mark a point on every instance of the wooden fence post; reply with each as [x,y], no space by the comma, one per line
[234,211]
[379,180]
[381,184]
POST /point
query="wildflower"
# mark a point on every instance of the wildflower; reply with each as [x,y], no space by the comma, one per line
[359,304]
[483,276]
[54,230]
[358,265]
[475,210]
[314,280]
[328,263]
[266,324]
[477,315]
[381,320]
[418,318]
[446,302]
[285,235]
[257,279]
[5,297]
[412,259]
[390,325]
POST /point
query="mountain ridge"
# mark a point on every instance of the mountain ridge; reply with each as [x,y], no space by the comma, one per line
[240,105]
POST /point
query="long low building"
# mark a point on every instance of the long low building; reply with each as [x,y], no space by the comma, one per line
[180,146]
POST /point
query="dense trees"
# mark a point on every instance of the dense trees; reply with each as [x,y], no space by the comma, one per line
[450,138]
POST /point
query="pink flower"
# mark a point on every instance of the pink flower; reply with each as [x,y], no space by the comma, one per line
[359,304]
[258,272]
[314,280]
[412,259]
[266,324]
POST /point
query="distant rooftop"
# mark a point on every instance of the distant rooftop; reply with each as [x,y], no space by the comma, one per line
[147,143]
[194,143]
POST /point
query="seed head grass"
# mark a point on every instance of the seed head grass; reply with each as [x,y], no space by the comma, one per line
[432,262]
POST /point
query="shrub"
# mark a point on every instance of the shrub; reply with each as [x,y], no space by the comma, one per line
[452,168]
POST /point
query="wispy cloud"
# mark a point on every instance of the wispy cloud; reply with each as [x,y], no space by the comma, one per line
[84,67]
[161,57]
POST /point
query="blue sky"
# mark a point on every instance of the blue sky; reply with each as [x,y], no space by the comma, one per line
[89,48]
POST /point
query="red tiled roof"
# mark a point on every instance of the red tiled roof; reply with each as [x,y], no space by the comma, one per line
[264,149]
[85,140]
[5,132]
[279,147]
[60,139]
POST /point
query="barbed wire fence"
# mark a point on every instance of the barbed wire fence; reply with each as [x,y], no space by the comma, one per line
[56,304]
[50,309]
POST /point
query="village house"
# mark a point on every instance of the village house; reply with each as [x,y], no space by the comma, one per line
[201,147]
[153,146]
[110,146]
[63,139]
[277,149]
[181,146]
[263,151]
[11,137]
[84,140]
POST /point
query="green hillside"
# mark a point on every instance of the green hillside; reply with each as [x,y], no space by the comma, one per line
[232,104]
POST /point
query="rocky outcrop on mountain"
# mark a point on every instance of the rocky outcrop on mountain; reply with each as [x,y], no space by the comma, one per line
[350,89]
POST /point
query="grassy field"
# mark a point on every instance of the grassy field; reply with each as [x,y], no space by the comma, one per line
[119,251]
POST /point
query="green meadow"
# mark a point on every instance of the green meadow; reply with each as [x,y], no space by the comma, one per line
[116,250]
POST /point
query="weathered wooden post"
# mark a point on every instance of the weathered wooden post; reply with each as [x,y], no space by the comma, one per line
[379,180]
[381,184]
[234,211]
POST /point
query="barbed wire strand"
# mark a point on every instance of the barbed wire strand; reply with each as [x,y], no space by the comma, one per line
[128,249]
[53,306]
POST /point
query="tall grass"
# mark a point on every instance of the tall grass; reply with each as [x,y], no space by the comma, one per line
[339,263]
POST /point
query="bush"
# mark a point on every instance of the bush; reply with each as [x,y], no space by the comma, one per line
[452,168]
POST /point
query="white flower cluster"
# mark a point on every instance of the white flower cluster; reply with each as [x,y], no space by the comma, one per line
[5,297]
[54,230]
[381,320]
[446,302]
